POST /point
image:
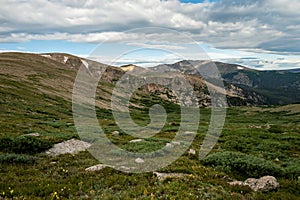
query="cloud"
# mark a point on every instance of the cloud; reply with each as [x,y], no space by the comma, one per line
[271,25]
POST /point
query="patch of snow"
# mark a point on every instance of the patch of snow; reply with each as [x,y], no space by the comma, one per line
[65,59]
[85,64]
[46,55]
[240,68]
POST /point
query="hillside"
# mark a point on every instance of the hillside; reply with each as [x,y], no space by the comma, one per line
[272,87]
[54,74]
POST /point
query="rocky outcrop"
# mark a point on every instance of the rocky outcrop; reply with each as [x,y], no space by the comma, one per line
[72,146]
[263,184]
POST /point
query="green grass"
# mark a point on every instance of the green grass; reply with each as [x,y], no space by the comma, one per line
[256,149]
[246,148]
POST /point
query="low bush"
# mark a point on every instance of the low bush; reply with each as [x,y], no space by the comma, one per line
[9,158]
[276,129]
[242,164]
[292,170]
[24,145]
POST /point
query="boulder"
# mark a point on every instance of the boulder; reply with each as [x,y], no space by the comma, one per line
[263,184]
[72,146]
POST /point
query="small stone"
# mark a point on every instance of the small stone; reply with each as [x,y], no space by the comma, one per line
[189,133]
[126,169]
[226,177]
[169,145]
[136,141]
[234,183]
[192,152]
[115,133]
[139,160]
[33,134]
[175,143]
[96,168]
[164,176]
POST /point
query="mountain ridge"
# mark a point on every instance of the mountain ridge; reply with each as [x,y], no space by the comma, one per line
[54,73]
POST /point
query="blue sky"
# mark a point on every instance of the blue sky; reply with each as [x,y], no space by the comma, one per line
[262,34]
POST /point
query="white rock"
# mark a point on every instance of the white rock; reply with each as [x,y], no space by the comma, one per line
[163,176]
[192,152]
[33,134]
[139,160]
[47,56]
[115,133]
[169,145]
[234,183]
[65,59]
[175,143]
[136,140]
[263,184]
[96,168]
[72,146]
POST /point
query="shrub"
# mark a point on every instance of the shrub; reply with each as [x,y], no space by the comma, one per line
[276,129]
[292,171]
[24,145]
[242,164]
[16,158]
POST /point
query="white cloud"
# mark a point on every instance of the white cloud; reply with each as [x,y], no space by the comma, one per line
[271,25]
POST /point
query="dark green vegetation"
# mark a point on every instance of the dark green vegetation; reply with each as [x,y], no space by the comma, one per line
[255,141]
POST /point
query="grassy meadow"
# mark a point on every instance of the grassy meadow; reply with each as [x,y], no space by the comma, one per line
[255,141]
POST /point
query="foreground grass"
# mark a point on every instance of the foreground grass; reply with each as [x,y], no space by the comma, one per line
[262,138]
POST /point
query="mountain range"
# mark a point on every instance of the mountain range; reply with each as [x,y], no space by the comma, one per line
[54,74]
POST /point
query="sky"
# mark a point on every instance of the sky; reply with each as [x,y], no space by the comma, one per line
[261,34]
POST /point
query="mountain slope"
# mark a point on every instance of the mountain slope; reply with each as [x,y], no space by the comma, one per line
[272,87]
